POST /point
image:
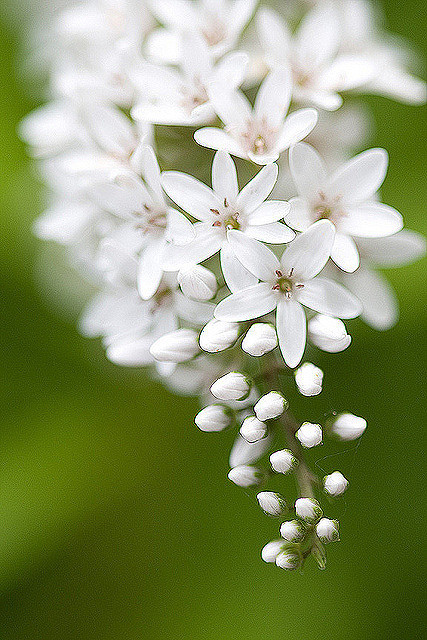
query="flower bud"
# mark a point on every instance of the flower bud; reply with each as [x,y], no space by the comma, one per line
[310,435]
[245,476]
[253,429]
[177,346]
[215,417]
[335,484]
[283,461]
[288,560]
[260,339]
[329,334]
[292,531]
[270,406]
[308,509]
[271,550]
[197,282]
[328,530]
[273,504]
[309,379]
[217,336]
[348,426]
[232,386]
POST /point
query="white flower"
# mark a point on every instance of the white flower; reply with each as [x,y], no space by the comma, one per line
[273,504]
[319,72]
[217,336]
[215,417]
[346,198]
[270,406]
[288,560]
[260,133]
[329,334]
[260,339]
[223,208]
[283,461]
[232,386]
[310,435]
[245,476]
[271,550]
[287,285]
[244,452]
[308,509]
[292,531]
[178,346]
[309,379]
[348,426]
[253,429]
[327,530]
[197,282]
[335,483]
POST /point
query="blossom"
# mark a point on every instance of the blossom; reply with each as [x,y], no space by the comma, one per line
[271,550]
[245,476]
[335,484]
[308,509]
[287,285]
[273,504]
[346,198]
[283,461]
[270,406]
[329,334]
[215,417]
[260,133]
[288,560]
[178,346]
[327,530]
[197,282]
[232,386]
[348,426]
[310,435]
[309,379]
[253,429]
[292,530]
[217,335]
[260,339]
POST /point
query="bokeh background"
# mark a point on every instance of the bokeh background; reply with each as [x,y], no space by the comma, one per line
[117,520]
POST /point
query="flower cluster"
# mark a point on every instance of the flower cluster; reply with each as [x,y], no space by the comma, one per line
[219,284]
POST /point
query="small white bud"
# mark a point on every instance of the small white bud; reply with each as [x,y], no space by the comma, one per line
[260,339]
[308,509]
[270,406]
[292,531]
[197,282]
[253,429]
[271,550]
[310,435]
[328,530]
[177,346]
[245,476]
[348,426]
[335,484]
[283,461]
[217,336]
[232,386]
[288,560]
[329,334]
[309,379]
[215,417]
[273,504]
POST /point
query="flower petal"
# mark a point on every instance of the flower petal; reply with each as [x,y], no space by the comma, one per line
[207,242]
[300,216]
[179,228]
[309,252]
[318,36]
[327,297]
[270,211]
[274,35]
[224,177]
[190,194]
[247,304]
[273,233]
[400,249]
[215,138]
[307,169]
[235,275]
[274,96]
[150,270]
[371,220]
[254,256]
[361,177]
[258,189]
[380,306]
[291,324]
[344,253]
[296,127]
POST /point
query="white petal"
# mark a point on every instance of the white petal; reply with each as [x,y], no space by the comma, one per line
[300,216]
[258,189]
[254,256]
[214,138]
[394,251]
[235,275]
[151,172]
[371,220]
[274,96]
[291,324]
[347,72]
[224,177]
[273,233]
[207,242]
[399,85]
[231,70]
[150,270]
[318,36]
[307,169]
[380,307]
[190,194]
[309,252]
[244,452]
[247,304]
[175,13]
[270,211]
[327,297]
[127,353]
[274,35]
[360,178]
[296,127]
[179,228]
[344,253]
[232,107]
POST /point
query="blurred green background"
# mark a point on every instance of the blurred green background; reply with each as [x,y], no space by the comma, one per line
[117,519]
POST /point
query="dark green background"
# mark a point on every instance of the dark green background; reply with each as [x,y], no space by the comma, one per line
[117,520]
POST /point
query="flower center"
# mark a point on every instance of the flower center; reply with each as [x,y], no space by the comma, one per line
[215,31]
[193,96]
[286,283]
[228,218]
[325,209]
[258,137]
[151,220]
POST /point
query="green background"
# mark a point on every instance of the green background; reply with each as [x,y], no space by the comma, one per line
[117,519]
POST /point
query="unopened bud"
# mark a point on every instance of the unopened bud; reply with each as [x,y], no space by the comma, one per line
[245,476]
[288,560]
[328,530]
[271,550]
[308,509]
[292,531]
[270,406]
[177,346]
[197,282]
[253,429]
[260,339]
[218,335]
[309,379]
[283,461]
[310,435]
[329,334]
[335,484]
[348,426]
[215,417]
[232,386]
[273,504]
